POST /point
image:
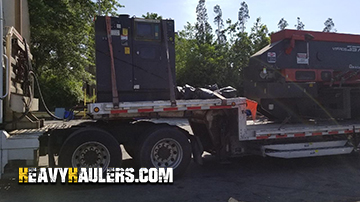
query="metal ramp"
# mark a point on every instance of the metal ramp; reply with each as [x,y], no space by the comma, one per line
[307,149]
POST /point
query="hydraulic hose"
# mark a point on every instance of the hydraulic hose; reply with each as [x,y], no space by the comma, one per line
[42,98]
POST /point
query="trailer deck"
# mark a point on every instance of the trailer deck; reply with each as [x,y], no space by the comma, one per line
[160,108]
[268,130]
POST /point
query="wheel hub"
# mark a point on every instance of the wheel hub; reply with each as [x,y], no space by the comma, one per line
[90,157]
[166,153]
[91,154]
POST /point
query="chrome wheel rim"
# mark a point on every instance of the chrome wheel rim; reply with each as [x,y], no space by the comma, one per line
[91,155]
[166,153]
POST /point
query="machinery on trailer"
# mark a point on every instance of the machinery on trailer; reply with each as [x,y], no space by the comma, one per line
[138,58]
[306,74]
[136,81]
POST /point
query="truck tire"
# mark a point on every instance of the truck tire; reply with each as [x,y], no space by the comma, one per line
[165,147]
[131,146]
[90,147]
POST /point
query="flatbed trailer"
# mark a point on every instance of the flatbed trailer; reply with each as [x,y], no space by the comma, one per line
[264,132]
[220,127]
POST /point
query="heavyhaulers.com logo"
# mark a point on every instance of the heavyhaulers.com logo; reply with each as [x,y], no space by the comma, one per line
[95,175]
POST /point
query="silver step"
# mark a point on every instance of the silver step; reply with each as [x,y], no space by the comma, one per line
[309,152]
[306,145]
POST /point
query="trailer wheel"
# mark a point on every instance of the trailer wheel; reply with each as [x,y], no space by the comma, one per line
[165,147]
[90,147]
[131,146]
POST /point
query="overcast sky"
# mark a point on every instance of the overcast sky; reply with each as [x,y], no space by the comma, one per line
[313,13]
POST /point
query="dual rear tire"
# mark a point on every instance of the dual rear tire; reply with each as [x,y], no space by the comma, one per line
[165,147]
[162,146]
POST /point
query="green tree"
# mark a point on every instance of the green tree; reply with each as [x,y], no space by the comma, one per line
[231,30]
[282,24]
[221,38]
[184,48]
[200,61]
[195,61]
[300,25]
[202,26]
[329,26]
[198,64]
[259,36]
[62,43]
[152,16]
[238,58]
[243,16]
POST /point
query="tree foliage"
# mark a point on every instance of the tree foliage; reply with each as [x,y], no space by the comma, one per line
[259,35]
[202,27]
[219,22]
[283,24]
[243,15]
[201,62]
[329,25]
[300,25]
[62,43]
[152,16]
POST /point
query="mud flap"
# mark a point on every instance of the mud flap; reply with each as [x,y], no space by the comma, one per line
[197,149]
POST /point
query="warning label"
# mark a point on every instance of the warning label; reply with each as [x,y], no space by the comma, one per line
[127,50]
[271,57]
[302,58]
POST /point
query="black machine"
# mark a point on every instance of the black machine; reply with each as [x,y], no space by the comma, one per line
[143,53]
[305,74]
